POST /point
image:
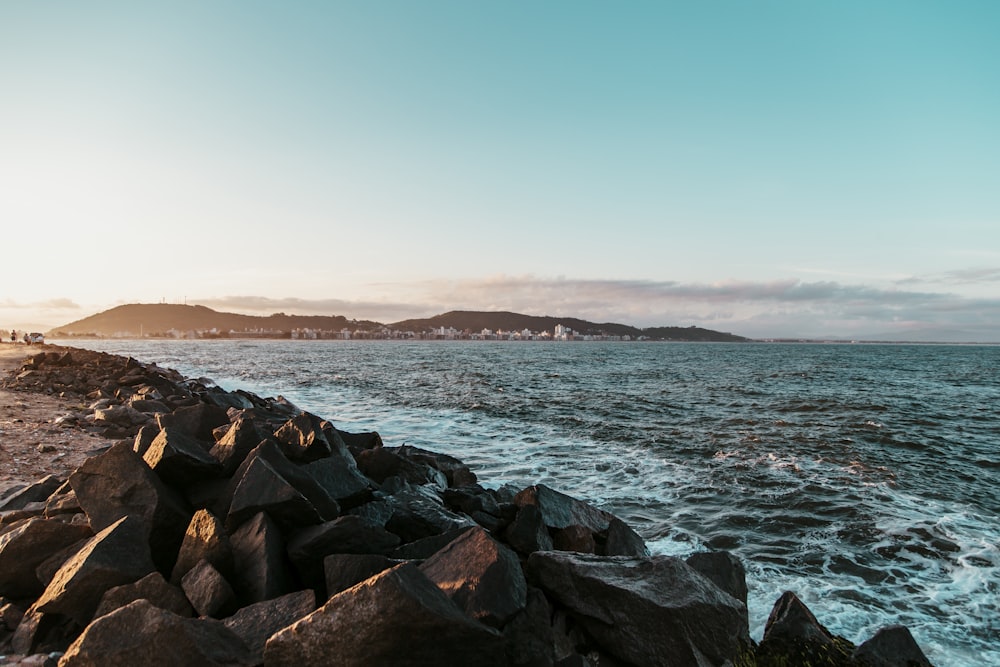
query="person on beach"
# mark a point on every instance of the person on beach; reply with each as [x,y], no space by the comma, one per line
[13,336]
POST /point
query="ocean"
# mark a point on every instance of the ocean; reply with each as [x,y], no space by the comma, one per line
[866,478]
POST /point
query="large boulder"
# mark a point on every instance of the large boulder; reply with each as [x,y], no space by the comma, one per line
[302,438]
[559,511]
[240,439]
[891,646]
[154,588]
[724,570]
[481,576]
[143,634]
[205,539]
[261,566]
[792,635]
[417,514]
[256,622]
[27,546]
[346,535]
[209,592]
[197,421]
[342,571]
[117,555]
[118,483]
[398,617]
[645,611]
[179,459]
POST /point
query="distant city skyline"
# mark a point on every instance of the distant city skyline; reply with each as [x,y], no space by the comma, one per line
[770,169]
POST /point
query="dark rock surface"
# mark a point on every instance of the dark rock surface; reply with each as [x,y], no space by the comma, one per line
[256,512]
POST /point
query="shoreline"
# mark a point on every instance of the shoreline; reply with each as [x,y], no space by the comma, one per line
[395,473]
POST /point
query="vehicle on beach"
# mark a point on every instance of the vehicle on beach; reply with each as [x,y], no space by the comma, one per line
[35,337]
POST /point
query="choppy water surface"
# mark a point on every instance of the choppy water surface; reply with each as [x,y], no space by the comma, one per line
[864,477]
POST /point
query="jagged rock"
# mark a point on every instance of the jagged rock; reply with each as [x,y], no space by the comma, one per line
[154,588]
[38,632]
[528,636]
[27,546]
[456,473]
[148,405]
[621,540]
[471,499]
[47,569]
[346,535]
[119,483]
[416,515]
[338,474]
[481,576]
[891,646]
[396,617]
[144,438]
[793,635]
[121,415]
[117,555]
[302,438]
[196,421]
[32,493]
[724,570]
[143,634]
[426,547]
[528,533]
[179,459]
[574,538]
[345,570]
[226,399]
[560,511]
[259,559]
[62,503]
[205,539]
[208,591]
[241,438]
[383,463]
[357,442]
[645,611]
[255,623]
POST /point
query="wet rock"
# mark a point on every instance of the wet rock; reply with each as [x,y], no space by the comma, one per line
[528,636]
[396,617]
[143,634]
[528,533]
[339,476]
[574,538]
[645,611]
[416,515]
[456,473]
[383,463]
[891,646]
[481,576]
[724,570]
[793,635]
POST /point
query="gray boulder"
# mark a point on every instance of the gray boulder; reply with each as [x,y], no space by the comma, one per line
[397,617]
[891,646]
[481,576]
[645,611]
[27,546]
[255,623]
[143,634]
[261,566]
[724,570]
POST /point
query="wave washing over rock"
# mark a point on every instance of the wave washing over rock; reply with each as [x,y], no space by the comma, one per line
[223,528]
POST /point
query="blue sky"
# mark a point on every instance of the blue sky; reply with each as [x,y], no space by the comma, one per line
[767,168]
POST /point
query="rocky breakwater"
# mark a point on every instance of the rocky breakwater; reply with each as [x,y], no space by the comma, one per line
[222,528]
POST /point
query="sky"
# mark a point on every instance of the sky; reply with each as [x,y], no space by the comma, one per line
[768,168]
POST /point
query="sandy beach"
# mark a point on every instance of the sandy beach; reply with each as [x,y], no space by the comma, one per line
[33,441]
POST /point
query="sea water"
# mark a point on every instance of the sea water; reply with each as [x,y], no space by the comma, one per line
[866,478]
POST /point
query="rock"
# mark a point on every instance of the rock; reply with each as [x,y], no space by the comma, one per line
[205,539]
[261,565]
[153,588]
[262,488]
[119,483]
[574,538]
[144,438]
[559,511]
[302,438]
[208,591]
[382,463]
[121,415]
[724,570]
[255,623]
[793,635]
[339,476]
[426,547]
[891,646]
[396,617]
[32,493]
[179,459]
[196,421]
[27,546]
[346,535]
[528,533]
[415,515]
[456,473]
[142,634]
[528,635]
[117,555]
[240,439]
[645,611]
[343,571]
[357,442]
[481,576]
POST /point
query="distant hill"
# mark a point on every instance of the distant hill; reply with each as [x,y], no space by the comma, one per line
[476,321]
[163,319]
[157,319]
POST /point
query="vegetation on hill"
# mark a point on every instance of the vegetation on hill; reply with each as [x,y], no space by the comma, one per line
[161,319]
